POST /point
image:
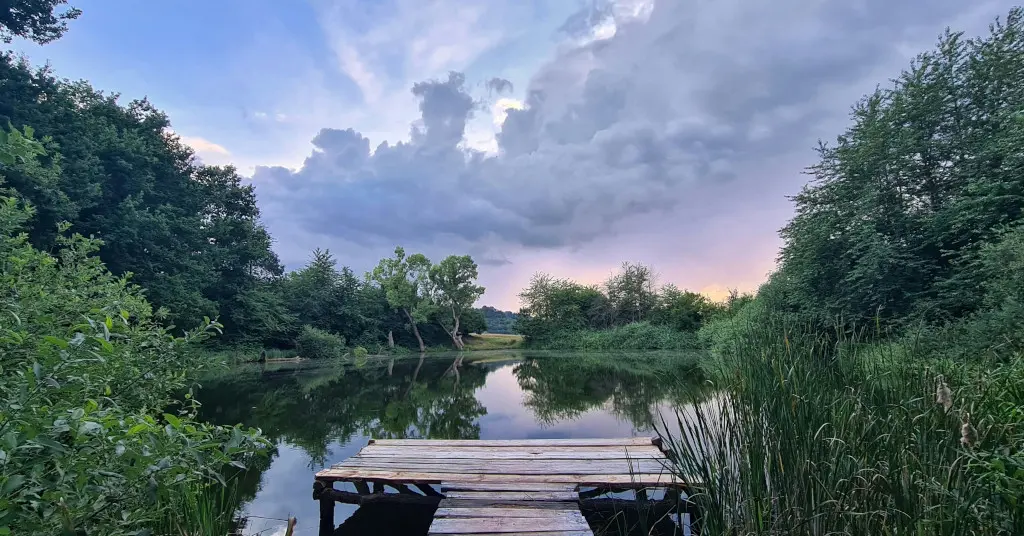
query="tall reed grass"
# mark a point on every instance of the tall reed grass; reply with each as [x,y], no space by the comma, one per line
[822,436]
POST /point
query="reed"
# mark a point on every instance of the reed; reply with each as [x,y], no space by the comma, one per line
[835,435]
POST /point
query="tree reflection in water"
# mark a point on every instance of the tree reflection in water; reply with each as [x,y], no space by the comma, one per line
[315,405]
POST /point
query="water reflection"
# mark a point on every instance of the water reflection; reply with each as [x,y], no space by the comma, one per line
[320,415]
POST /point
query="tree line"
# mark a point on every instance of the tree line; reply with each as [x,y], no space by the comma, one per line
[190,234]
[629,310]
[914,217]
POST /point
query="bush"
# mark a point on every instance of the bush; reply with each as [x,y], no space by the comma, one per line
[85,374]
[359,352]
[635,336]
[316,343]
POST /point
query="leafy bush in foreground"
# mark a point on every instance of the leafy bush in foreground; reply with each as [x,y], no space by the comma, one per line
[90,435]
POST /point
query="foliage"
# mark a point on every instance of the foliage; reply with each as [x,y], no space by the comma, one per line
[635,336]
[314,343]
[85,374]
[359,352]
[560,313]
[453,291]
[808,437]
[190,234]
[402,280]
[903,201]
[473,321]
[498,321]
[35,20]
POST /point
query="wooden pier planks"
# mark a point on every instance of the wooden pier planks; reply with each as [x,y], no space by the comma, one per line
[630,462]
[523,487]
[552,510]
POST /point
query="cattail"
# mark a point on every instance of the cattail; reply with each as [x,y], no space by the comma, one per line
[943,395]
[968,434]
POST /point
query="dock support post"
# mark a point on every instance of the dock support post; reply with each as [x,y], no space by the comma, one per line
[322,491]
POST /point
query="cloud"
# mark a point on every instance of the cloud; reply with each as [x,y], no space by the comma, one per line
[207,151]
[686,111]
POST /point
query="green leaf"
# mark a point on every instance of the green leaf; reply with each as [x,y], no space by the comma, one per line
[13,482]
[58,342]
[49,443]
[175,422]
[37,370]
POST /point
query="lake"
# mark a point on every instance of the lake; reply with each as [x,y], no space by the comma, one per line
[319,414]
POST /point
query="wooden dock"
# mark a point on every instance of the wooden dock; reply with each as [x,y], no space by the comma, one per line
[529,486]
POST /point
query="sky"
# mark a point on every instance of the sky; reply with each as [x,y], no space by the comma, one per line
[563,136]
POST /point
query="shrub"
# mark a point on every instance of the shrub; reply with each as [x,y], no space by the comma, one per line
[359,352]
[85,372]
[316,343]
[635,336]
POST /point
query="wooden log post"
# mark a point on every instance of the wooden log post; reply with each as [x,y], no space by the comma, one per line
[322,491]
[362,487]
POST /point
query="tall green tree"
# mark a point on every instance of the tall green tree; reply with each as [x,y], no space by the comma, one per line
[403,280]
[190,234]
[41,21]
[453,291]
[902,203]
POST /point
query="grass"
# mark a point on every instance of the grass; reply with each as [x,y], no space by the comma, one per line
[492,341]
[814,437]
[200,510]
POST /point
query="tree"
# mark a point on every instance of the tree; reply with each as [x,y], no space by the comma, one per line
[190,234]
[682,309]
[403,280]
[453,290]
[36,20]
[631,292]
[903,201]
[88,374]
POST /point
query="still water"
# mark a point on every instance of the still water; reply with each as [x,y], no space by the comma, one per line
[320,414]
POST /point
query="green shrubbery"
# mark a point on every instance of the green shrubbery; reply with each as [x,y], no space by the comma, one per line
[316,343]
[635,336]
[91,434]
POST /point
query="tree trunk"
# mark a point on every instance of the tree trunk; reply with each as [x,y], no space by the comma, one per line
[456,338]
[415,330]
[391,339]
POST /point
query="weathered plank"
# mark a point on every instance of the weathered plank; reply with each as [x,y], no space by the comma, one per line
[580,452]
[541,533]
[631,441]
[528,512]
[520,467]
[505,486]
[500,503]
[464,525]
[620,480]
[515,495]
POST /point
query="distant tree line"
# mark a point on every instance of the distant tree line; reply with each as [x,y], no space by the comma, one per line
[556,311]
[498,321]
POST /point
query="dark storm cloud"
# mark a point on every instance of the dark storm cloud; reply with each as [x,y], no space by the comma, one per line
[687,99]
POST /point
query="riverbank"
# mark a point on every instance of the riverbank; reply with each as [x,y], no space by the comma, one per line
[902,441]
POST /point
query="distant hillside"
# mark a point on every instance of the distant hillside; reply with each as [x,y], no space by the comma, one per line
[498,321]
